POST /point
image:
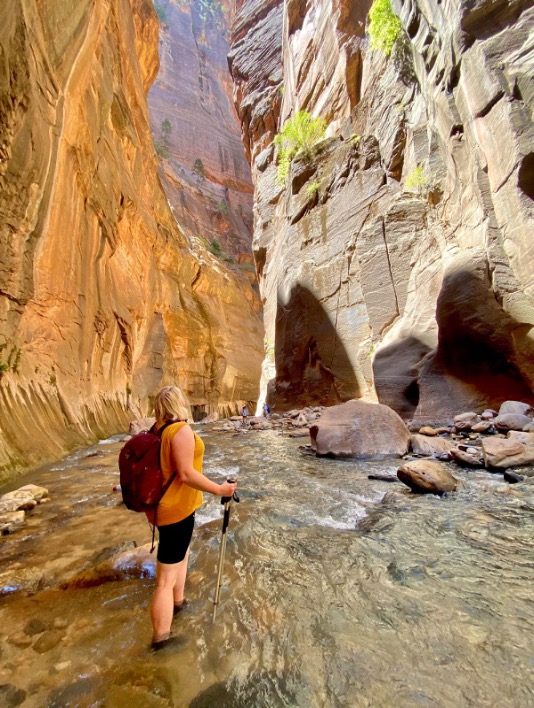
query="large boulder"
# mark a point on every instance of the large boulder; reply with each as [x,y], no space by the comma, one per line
[360,429]
[426,446]
[515,407]
[511,421]
[427,477]
[501,453]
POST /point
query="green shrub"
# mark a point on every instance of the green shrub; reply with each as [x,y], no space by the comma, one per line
[166,128]
[299,135]
[161,149]
[13,359]
[416,178]
[215,248]
[312,188]
[384,26]
[162,15]
[199,167]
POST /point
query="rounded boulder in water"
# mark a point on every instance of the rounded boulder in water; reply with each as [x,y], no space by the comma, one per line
[427,477]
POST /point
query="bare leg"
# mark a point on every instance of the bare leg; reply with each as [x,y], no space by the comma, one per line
[178,593]
[161,610]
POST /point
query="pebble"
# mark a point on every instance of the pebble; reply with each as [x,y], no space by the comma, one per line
[35,626]
[62,665]
[48,641]
[12,696]
[20,640]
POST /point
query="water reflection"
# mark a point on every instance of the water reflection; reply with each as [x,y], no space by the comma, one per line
[331,597]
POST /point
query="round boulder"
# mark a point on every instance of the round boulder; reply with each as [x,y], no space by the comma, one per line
[427,477]
[516,408]
[511,421]
[360,429]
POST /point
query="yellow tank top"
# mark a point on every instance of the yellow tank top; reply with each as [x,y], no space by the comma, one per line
[180,500]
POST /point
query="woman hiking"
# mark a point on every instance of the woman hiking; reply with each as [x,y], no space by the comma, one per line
[182,451]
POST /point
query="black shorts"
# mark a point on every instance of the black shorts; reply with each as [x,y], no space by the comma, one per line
[174,540]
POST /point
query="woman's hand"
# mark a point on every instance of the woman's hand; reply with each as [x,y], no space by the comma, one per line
[226,489]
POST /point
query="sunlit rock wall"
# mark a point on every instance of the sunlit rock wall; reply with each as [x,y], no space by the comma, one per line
[398,263]
[102,297]
[203,167]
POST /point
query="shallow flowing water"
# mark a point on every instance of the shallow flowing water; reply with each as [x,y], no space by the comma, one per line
[333,595]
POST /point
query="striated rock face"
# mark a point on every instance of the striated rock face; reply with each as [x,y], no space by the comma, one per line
[397,263]
[203,169]
[102,297]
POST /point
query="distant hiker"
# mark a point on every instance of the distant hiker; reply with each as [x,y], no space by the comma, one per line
[182,451]
[266,410]
[244,413]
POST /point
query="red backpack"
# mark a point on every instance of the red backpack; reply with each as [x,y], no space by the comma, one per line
[141,477]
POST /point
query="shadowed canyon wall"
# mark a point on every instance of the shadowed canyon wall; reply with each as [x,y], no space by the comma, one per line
[403,248]
[103,297]
[203,167]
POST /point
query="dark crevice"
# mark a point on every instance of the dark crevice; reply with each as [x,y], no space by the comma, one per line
[526,176]
[489,106]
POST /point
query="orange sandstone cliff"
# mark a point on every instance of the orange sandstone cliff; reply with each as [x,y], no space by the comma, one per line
[103,297]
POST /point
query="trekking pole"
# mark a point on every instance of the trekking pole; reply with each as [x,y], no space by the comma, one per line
[226,520]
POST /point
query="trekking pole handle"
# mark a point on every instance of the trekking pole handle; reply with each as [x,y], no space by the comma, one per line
[225,500]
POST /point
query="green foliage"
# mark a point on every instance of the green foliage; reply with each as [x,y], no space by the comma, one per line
[223,207]
[162,15]
[355,139]
[416,178]
[166,127]
[299,135]
[13,359]
[249,267]
[384,26]
[161,149]
[199,167]
[229,259]
[215,248]
[210,10]
[269,349]
[312,188]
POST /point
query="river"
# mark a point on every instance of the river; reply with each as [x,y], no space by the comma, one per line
[333,596]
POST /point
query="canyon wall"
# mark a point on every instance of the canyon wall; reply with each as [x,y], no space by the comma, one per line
[203,167]
[396,263]
[103,297]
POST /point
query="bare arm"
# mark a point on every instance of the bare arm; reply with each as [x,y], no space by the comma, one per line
[183,450]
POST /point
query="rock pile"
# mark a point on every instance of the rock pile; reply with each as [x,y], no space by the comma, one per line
[496,440]
[14,505]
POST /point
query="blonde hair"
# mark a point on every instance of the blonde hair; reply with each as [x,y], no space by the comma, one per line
[169,404]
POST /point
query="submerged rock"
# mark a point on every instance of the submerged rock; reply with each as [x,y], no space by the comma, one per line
[512,477]
[11,520]
[360,429]
[133,563]
[427,477]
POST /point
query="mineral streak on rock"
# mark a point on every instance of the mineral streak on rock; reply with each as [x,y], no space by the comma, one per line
[398,261]
[203,169]
[102,298]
